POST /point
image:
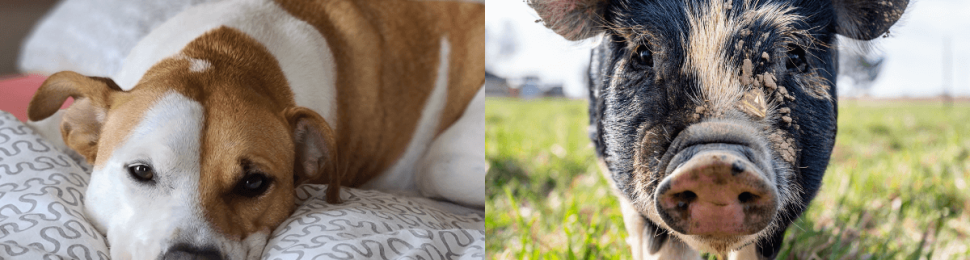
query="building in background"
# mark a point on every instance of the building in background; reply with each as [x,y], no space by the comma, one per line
[528,87]
[496,86]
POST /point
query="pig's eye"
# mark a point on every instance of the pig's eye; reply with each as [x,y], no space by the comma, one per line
[796,59]
[643,56]
[252,185]
[141,172]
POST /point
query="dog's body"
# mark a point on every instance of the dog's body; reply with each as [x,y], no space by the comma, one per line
[220,111]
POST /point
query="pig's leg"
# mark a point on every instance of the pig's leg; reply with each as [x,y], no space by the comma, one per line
[647,240]
[747,252]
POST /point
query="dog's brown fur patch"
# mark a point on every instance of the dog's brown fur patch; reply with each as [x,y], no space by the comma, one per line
[369,39]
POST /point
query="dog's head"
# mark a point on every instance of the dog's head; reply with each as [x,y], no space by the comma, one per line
[200,158]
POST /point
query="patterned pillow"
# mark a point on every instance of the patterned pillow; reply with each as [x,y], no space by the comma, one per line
[42,197]
[374,225]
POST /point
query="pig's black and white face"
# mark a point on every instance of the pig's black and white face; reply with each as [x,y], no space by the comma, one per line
[716,119]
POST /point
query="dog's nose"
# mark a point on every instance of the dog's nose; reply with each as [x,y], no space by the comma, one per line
[192,252]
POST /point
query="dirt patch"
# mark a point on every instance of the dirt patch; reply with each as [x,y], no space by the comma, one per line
[782,94]
[747,72]
[699,112]
[784,145]
[769,81]
[753,102]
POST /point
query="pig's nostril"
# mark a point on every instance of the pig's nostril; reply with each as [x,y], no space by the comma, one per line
[737,167]
[685,198]
[746,197]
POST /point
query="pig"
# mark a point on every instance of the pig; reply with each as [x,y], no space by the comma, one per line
[714,120]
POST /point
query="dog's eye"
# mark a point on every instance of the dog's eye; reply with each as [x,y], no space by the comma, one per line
[252,185]
[141,172]
[643,56]
[796,59]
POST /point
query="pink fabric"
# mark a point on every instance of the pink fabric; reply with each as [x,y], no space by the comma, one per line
[16,92]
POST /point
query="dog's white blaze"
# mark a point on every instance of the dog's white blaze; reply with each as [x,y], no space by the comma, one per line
[197,65]
[399,178]
[302,52]
[139,219]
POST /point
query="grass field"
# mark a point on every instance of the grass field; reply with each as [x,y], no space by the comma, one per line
[896,187]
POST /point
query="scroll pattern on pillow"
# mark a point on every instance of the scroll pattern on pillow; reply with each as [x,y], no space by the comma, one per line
[374,225]
[42,199]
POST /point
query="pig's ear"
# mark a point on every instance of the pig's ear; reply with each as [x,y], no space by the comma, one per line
[867,19]
[81,124]
[573,19]
[315,157]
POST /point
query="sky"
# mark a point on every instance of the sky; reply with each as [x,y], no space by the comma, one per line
[913,66]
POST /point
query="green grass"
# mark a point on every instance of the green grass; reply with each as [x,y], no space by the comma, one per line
[896,187]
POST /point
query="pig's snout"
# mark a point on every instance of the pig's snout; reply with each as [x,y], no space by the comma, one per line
[716,190]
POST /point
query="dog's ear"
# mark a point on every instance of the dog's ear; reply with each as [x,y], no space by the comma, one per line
[315,157]
[81,124]
[867,19]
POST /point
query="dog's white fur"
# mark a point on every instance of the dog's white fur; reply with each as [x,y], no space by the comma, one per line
[449,168]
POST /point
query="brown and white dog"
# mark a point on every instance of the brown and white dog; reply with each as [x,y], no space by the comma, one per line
[218,113]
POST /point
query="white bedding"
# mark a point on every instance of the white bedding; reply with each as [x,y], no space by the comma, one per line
[41,216]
